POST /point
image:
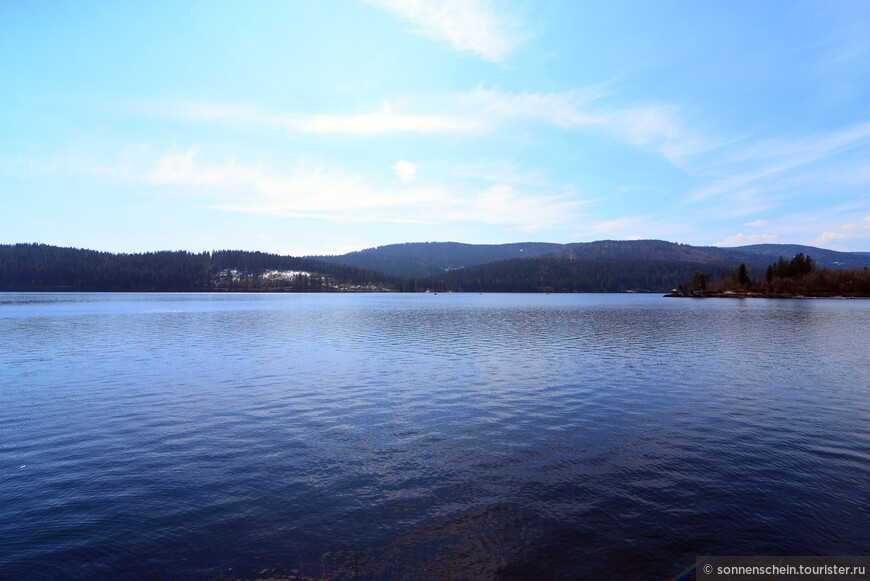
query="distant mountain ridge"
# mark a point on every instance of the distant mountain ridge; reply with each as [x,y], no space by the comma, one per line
[604,266]
[422,259]
[596,275]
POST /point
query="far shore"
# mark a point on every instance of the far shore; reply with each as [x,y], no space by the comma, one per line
[759,295]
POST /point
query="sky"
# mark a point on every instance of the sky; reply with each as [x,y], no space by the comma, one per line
[321,127]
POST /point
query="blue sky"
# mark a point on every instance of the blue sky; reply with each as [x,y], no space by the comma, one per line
[323,127]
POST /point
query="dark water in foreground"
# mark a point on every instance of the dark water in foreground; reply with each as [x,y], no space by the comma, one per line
[512,436]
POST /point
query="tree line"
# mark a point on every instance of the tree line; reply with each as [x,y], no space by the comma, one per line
[51,268]
[566,275]
[39,267]
[796,277]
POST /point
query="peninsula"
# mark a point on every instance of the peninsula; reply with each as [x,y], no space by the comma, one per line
[797,278]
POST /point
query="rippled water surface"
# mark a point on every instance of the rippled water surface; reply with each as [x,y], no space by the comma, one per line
[509,436]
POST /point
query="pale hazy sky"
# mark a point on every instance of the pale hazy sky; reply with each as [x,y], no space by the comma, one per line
[325,126]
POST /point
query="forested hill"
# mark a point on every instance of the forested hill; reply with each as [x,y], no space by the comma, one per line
[566,275]
[657,250]
[607,266]
[51,268]
[433,258]
[422,259]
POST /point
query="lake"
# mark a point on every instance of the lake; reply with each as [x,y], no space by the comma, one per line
[266,436]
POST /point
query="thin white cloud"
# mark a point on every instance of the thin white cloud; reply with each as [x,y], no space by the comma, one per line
[656,226]
[850,231]
[651,126]
[492,32]
[501,204]
[619,224]
[503,172]
[659,128]
[363,124]
[405,170]
[827,237]
[756,223]
[749,202]
[379,123]
[630,189]
[742,239]
[629,227]
[565,109]
[315,190]
[769,164]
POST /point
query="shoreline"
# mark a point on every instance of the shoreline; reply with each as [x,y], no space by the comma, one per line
[754,295]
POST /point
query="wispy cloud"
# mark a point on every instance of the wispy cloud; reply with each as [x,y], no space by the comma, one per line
[311,189]
[657,127]
[565,109]
[619,225]
[851,231]
[384,121]
[502,171]
[650,126]
[829,236]
[303,189]
[378,123]
[478,26]
[741,239]
[779,176]
[653,127]
[405,170]
[770,164]
[502,204]
[633,227]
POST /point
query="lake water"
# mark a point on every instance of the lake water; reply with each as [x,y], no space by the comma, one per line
[507,436]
